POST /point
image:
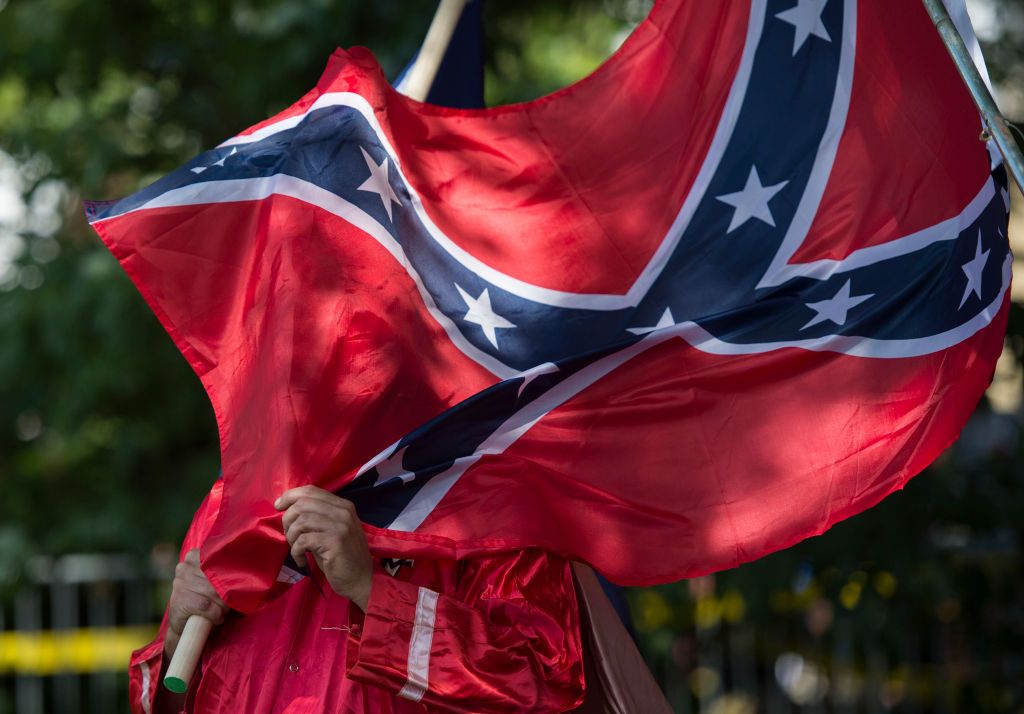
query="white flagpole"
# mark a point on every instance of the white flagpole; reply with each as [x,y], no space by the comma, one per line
[421,76]
[416,86]
[998,127]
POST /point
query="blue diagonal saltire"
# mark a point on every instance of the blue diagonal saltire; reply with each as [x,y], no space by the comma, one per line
[722,280]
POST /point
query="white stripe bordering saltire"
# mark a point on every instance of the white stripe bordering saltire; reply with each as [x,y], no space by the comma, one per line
[426,499]
[418,670]
[947,230]
[536,293]
[257,189]
[779,271]
[281,184]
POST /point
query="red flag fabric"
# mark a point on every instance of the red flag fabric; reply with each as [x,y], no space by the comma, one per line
[740,283]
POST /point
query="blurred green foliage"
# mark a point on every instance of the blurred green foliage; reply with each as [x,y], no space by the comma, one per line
[107,441]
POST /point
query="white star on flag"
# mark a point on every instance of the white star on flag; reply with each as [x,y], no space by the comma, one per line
[234,150]
[481,313]
[805,17]
[666,320]
[973,269]
[835,308]
[752,201]
[391,467]
[378,182]
[220,162]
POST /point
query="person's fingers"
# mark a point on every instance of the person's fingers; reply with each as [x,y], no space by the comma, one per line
[185,571]
[309,506]
[179,611]
[332,512]
[292,495]
[201,586]
[312,523]
[307,542]
[196,604]
[176,617]
[299,546]
[338,511]
[189,603]
[192,578]
[192,593]
[215,612]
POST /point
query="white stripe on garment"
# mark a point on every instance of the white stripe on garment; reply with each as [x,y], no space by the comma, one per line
[417,679]
[146,684]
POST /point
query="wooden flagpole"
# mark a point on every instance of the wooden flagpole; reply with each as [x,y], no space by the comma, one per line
[417,86]
[421,76]
[186,654]
[997,126]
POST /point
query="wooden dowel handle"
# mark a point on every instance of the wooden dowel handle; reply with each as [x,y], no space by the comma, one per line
[186,655]
[421,75]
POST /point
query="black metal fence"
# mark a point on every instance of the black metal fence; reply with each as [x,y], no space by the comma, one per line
[814,655]
[67,631]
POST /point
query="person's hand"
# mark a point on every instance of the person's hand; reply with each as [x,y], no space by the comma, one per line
[191,594]
[326,526]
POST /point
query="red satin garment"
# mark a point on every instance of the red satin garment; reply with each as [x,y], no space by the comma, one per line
[495,634]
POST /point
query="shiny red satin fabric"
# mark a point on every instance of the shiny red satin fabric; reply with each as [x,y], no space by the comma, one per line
[505,637]
[317,352]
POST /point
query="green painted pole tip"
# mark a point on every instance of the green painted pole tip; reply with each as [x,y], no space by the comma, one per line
[175,684]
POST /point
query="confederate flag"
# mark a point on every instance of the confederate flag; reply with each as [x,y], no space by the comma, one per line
[740,283]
